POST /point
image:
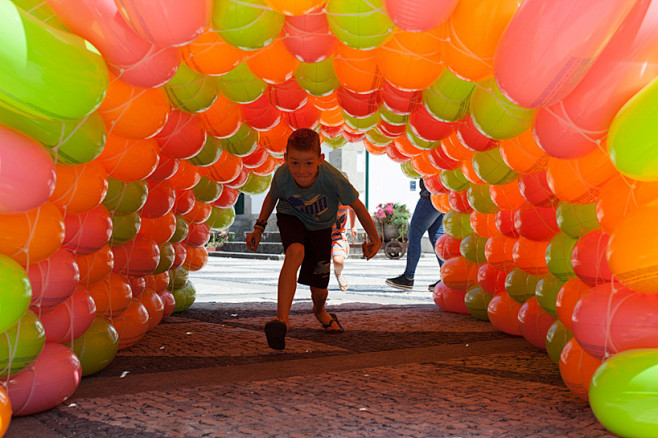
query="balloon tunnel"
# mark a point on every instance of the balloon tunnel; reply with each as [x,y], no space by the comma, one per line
[128,129]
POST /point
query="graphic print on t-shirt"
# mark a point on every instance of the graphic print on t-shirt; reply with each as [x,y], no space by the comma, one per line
[313,207]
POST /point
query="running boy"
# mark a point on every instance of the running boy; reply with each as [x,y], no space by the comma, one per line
[306,192]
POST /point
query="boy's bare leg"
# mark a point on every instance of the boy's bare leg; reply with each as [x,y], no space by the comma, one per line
[288,281]
[339,264]
[319,297]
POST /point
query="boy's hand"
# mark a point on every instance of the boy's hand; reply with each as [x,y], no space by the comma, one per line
[370,249]
[253,239]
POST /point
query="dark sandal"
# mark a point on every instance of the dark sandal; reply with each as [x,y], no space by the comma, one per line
[275,331]
[334,318]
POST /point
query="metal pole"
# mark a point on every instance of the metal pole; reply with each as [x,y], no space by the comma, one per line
[367,180]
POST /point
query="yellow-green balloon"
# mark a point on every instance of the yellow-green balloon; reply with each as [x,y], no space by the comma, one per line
[409,171]
[457,225]
[477,302]
[256,184]
[360,24]
[479,198]
[546,292]
[125,197]
[556,338]
[177,278]
[125,227]
[242,143]
[184,296]
[97,346]
[191,91]
[494,115]
[246,24]
[317,78]
[454,180]
[472,248]
[367,123]
[241,85]
[221,218]
[491,168]
[558,256]
[209,154]
[575,220]
[21,344]
[448,98]
[15,292]
[521,286]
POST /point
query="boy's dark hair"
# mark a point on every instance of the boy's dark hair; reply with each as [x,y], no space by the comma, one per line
[304,139]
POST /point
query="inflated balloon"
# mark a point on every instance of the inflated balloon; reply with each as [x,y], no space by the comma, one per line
[472,248]
[124,227]
[556,338]
[155,68]
[191,91]
[536,223]
[392,118]
[546,292]
[495,116]
[88,232]
[27,177]
[480,199]
[483,224]
[199,213]
[129,159]
[459,201]
[182,136]
[184,297]
[248,25]
[5,411]
[454,180]
[195,258]
[456,224]
[559,256]
[534,323]
[620,196]
[207,190]
[506,196]
[221,218]
[179,258]
[357,70]
[157,282]
[222,119]
[154,306]
[567,298]
[400,101]
[459,273]
[489,166]
[198,235]
[447,247]
[43,12]
[208,154]
[97,346]
[359,24]
[359,105]
[184,203]
[419,17]
[94,267]
[505,223]
[362,124]
[499,250]
[503,314]
[50,380]
[137,285]
[477,301]
[45,69]
[409,171]
[578,181]
[238,181]
[317,79]
[267,168]
[256,184]
[450,300]
[534,189]
[612,318]
[32,236]
[211,55]
[522,154]
[169,303]
[428,127]
[632,254]
[576,220]
[166,260]
[491,279]
[261,114]
[69,319]
[79,188]
[294,7]
[577,368]
[166,168]
[371,148]
[288,96]
[391,130]
[241,85]
[132,324]
[308,37]
[17,292]
[447,99]
[112,295]
[53,280]
[256,158]
[530,255]
[376,139]
[521,286]
[468,170]
[139,256]
[589,259]
[536,62]
[125,197]
[171,24]
[623,392]
[21,344]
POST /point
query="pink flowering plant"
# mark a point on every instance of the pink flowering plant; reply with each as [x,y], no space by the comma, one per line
[393,213]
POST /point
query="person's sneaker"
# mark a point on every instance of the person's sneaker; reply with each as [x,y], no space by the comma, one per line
[432,286]
[400,282]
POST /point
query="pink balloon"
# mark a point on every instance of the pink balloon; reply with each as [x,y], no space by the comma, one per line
[589,260]
[307,116]
[359,104]
[260,114]
[48,381]
[89,231]
[27,173]
[183,136]
[400,101]
[534,323]
[165,169]
[450,300]
[69,319]
[534,189]
[538,63]
[171,23]
[491,279]
[419,15]
[574,126]
[154,69]
[613,318]
[169,303]
[428,127]
[472,138]
[308,37]
[139,256]
[53,280]
[288,95]
[536,223]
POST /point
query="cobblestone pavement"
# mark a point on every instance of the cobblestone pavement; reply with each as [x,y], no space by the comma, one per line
[400,370]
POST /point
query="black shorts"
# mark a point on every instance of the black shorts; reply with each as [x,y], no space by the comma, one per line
[317,249]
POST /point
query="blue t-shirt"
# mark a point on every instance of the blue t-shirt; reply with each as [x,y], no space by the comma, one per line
[317,205]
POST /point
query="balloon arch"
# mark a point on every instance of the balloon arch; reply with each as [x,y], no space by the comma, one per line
[127,132]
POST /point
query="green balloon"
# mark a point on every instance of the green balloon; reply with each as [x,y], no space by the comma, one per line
[182,228]
[125,197]
[576,220]
[472,248]
[491,168]
[241,85]
[246,24]
[457,225]
[209,154]
[480,200]
[167,258]
[335,142]
[242,143]
[521,286]
[125,227]
[447,98]
[221,218]
[21,344]
[477,302]
[184,297]
[42,11]
[454,180]
[556,338]
[47,73]
[256,184]
[207,190]
[178,278]
[68,141]
[546,292]
[191,91]
[623,393]
[409,171]
[632,135]
[392,118]
[15,292]
[495,116]
[317,78]
[558,256]
[360,24]
[362,123]
[97,347]
[375,136]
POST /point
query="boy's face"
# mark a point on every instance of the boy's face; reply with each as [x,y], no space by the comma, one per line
[303,166]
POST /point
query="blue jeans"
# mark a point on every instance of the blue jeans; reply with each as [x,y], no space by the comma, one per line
[424,218]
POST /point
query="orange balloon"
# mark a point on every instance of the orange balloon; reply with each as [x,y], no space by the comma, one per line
[503,314]
[530,256]
[199,213]
[129,159]
[325,103]
[95,266]
[507,196]
[276,139]
[132,324]
[499,251]
[153,305]
[454,148]
[404,146]
[195,258]
[112,295]
[469,172]
[332,117]
[134,112]
[375,150]
[32,236]
[186,177]
[211,55]
[483,224]
[619,197]
[411,60]
[567,298]
[422,164]
[157,282]
[357,70]
[273,63]
[522,154]
[79,188]
[266,168]
[223,118]
[160,229]
[441,202]
[577,368]
[459,273]
[226,168]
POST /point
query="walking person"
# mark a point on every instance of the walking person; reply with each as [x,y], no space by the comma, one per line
[340,246]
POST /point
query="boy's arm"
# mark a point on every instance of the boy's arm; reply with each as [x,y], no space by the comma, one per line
[352,216]
[253,238]
[369,248]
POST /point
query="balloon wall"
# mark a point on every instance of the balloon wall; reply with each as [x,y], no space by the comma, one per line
[128,130]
